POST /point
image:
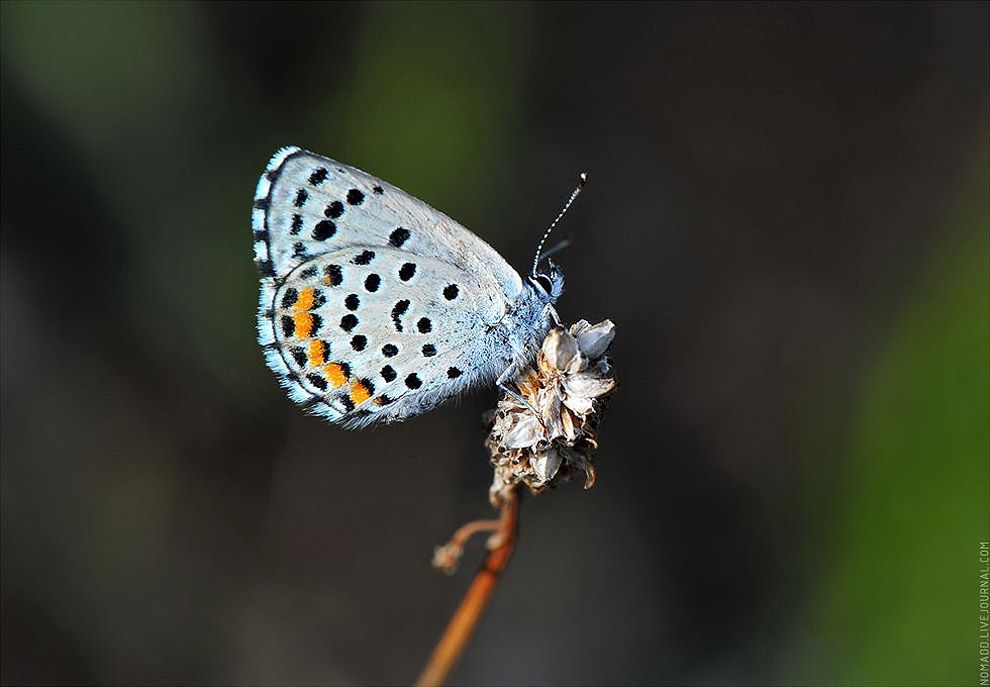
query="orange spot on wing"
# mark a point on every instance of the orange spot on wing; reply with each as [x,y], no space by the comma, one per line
[317,352]
[305,300]
[335,374]
[359,393]
[304,325]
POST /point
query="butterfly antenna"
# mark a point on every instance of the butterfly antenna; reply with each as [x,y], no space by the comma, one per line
[582,180]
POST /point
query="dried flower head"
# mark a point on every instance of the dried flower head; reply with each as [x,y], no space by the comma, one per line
[551,435]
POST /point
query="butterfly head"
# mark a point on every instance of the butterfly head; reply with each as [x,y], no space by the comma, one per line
[547,285]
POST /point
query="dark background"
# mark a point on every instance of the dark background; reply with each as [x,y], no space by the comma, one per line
[787,220]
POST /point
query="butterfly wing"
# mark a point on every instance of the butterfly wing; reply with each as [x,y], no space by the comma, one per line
[373,306]
[307,205]
[367,334]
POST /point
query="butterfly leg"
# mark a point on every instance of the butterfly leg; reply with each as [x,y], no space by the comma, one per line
[501,383]
[516,396]
[553,313]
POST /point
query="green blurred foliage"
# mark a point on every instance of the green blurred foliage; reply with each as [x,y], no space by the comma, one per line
[899,592]
[417,101]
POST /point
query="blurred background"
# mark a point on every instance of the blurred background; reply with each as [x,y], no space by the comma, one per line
[787,220]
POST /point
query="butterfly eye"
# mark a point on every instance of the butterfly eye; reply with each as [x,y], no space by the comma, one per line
[544,282]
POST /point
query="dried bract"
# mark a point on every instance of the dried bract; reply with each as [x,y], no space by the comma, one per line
[552,435]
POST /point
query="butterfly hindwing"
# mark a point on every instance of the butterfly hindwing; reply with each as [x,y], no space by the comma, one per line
[370,334]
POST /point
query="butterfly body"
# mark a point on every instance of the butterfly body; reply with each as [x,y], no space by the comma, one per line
[375,307]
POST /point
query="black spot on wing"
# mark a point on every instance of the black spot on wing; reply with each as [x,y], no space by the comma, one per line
[290,297]
[297,222]
[319,176]
[424,325]
[334,274]
[407,271]
[348,322]
[372,282]
[266,268]
[378,189]
[302,195]
[317,380]
[450,292]
[325,353]
[364,258]
[334,210]
[429,350]
[352,301]
[359,342]
[398,237]
[324,229]
[397,312]
[413,381]
[390,350]
[355,197]
[388,373]
[453,372]
[299,355]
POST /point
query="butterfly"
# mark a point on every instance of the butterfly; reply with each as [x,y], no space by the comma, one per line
[375,307]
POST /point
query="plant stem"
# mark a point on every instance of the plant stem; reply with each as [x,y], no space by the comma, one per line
[451,645]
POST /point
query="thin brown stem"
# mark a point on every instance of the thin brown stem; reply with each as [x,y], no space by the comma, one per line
[451,645]
[446,557]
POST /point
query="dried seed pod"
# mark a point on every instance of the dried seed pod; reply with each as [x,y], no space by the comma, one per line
[553,436]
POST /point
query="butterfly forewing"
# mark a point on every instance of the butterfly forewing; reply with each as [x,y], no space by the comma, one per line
[307,204]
